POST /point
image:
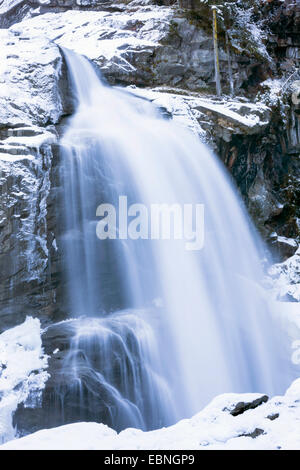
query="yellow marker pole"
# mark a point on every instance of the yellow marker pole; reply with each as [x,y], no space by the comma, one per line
[216,52]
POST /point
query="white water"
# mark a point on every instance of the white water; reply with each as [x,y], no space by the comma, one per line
[212,328]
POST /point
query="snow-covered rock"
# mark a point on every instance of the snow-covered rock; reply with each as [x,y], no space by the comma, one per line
[122,43]
[207,116]
[141,43]
[33,97]
[25,165]
[22,371]
[270,425]
[12,11]
[29,81]
[286,278]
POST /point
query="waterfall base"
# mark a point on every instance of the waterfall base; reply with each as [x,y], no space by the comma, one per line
[101,370]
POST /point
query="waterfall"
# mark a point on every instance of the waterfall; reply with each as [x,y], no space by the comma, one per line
[162,329]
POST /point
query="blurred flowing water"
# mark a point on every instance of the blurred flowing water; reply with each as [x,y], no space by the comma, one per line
[199,324]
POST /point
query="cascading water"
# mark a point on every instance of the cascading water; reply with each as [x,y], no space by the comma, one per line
[210,328]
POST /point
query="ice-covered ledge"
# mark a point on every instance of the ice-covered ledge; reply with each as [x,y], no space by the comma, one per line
[273,424]
[203,113]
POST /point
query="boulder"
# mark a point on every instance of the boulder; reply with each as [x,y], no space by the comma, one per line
[241,406]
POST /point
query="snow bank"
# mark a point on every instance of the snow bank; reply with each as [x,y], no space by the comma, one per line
[276,424]
[22,374]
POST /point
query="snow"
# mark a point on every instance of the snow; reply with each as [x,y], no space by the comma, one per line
[100,33]
[244,114]
[288,241]
[22,371]
[34,142]
[8,157]
[187,110]
[29,80]
[212,428]
[178,106]
[286,277]
[275,90]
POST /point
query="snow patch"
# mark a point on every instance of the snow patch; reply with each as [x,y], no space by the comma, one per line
[22,371]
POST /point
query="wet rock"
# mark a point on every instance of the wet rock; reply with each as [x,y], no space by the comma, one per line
[241,407]
[97,373]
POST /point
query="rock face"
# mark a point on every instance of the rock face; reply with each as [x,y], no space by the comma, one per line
[152,45]
[36,63]
[143,44]
[31,102]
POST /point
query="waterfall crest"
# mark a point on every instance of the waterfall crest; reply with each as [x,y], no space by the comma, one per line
[210,327]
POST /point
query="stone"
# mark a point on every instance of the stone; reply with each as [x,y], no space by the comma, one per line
[263,204]
[241,407]
[283,247]
[254,434]
[108,380]
[12,11]
[273,416]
